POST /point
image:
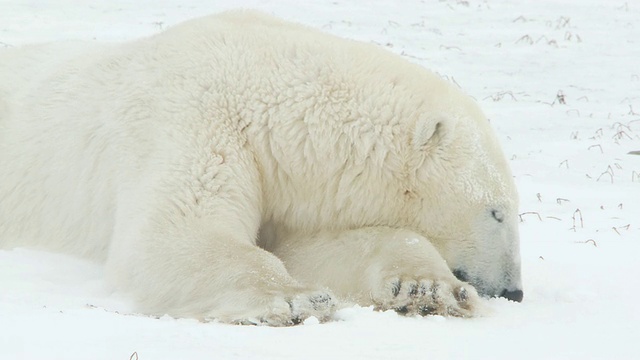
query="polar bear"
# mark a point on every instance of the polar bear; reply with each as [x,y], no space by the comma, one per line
[245,169]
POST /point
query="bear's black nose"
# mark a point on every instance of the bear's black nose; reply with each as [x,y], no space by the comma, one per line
[515,295]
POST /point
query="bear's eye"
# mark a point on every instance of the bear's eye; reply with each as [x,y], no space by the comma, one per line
[497,215]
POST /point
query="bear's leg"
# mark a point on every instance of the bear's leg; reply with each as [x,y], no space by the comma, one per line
[388,268]
[184,245]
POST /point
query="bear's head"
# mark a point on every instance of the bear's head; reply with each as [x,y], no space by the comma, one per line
[459,193]
[402,149]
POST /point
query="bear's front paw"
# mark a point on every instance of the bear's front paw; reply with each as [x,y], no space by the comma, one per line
[410,296]
[293,307]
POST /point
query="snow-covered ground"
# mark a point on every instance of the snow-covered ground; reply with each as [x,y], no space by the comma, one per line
[560,81]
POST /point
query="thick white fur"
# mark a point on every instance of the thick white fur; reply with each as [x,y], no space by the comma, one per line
[247,169]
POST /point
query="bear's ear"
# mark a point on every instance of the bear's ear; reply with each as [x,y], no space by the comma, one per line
[431,132]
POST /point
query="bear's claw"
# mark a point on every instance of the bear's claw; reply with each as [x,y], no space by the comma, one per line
[293,310]
[426,297]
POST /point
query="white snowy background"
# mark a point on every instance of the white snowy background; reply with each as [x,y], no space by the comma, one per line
[560,81]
